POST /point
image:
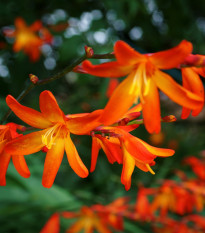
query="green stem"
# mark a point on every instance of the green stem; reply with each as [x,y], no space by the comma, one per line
[68,69]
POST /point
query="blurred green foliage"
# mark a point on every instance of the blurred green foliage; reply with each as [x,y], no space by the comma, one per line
[148,26]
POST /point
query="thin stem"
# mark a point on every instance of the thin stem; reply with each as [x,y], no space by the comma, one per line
[103,56]
[54,77]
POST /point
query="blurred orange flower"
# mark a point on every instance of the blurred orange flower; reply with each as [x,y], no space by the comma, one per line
[29,38]
[7,133]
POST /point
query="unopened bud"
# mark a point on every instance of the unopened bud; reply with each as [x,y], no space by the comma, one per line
[170,118]
[33,78]
[88,51]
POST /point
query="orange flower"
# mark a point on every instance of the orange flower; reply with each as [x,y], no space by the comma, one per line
[29,38]
[55,135]
[99,217]
[52,225]
[197,165]
[7,133]
[122,147]
[88,220]
[144,79]
[192,82]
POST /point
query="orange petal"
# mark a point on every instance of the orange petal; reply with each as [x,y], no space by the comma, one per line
[128,168]
[176,92]
[36,26]
[74,159]
[94,155]
[119,103]
[84,124]
[136,148]
[20,165]
[28,115]
[193,83]
[151,109]
[112,149]
[76,227]
[53,161]
[20,23]
[4,163]
[141,166]
[157,151]
[172,58]
[111,69]
[137,108]
[101,227]
[49,107]
[52,225]
[126,55]
[25,145]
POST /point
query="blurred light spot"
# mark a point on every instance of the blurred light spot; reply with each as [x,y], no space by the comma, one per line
[57,41]
[60,14]
[49,19]
[119,25]
[136,33]
[46,49]
[71,77]
[201,24]
[97,14]
[150,5]
[50,63]
[111,15]
[157,18]
[4,72]
[71,32]
[100,37]
[85,21]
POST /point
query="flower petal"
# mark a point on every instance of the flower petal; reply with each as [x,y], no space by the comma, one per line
[52,225]
[193,83]
[74,159]
[111,69]
[119,103]
[157,151]
[151,109]
[173,57]
[176,92]
[49,107]
[128,168]
[137,149]
[28,115]
[53,161]
[84,124]
[112,149]
[94,154]
[25,145]
[4,163]
[126,55]
[21,166]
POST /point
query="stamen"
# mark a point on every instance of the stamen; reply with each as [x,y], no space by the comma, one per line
[150,169]
[49,137]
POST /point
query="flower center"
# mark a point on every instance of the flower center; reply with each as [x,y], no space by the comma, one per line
[51,134]
[140,84]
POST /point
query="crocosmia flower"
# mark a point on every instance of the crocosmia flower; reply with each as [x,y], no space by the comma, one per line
[29,38]
[54,136]
[144,79]
[122,147]
[7,133]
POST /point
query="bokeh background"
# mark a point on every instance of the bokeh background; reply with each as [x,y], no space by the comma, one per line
[148,26]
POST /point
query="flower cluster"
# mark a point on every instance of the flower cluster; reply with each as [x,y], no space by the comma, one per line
[179,204]
[110,128]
